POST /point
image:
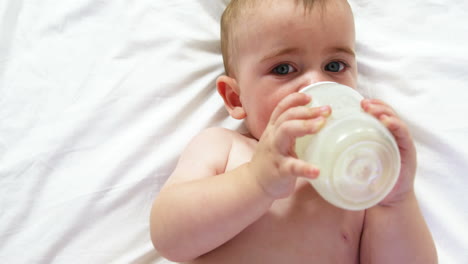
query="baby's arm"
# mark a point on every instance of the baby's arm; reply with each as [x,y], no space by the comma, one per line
[195,213]
[201,206]
[395,230]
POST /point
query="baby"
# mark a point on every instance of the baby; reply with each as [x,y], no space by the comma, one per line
[236,198]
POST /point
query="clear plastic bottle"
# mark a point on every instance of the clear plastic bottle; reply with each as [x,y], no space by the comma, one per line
[358,157]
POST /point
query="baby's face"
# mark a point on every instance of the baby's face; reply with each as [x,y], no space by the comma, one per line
[281,49]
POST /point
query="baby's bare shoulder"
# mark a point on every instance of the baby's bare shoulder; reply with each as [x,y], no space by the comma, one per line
[206,155]
[221,138]
[217,133]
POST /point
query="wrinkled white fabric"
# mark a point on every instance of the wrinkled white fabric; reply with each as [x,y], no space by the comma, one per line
[98,98]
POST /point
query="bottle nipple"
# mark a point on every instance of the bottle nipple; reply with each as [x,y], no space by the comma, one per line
[359,171]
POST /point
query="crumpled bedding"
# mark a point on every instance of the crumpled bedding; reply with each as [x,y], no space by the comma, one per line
[98,99]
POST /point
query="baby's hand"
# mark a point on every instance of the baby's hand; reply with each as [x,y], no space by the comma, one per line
[405,183]
[275,164]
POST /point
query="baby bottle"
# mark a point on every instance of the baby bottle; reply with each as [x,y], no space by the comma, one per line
[358,157]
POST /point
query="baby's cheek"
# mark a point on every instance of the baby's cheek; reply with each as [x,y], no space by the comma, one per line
[263,120]
[265,108]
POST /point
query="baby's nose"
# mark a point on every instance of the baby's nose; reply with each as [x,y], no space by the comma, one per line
[315,77]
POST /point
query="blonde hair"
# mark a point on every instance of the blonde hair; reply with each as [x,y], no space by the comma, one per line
[233,13]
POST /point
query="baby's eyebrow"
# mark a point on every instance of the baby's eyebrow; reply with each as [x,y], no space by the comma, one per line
[347,50]
[279,52]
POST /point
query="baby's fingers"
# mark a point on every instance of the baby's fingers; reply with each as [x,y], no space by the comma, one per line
[292,100]
[288,131]
[303,112]
[398,129]
[377,108]
[299,168]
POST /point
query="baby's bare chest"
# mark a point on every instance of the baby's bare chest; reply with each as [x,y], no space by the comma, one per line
[302,228]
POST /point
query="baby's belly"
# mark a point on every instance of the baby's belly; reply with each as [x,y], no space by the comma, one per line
[300,229]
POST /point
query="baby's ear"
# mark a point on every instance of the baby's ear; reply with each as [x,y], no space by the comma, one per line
[229,91]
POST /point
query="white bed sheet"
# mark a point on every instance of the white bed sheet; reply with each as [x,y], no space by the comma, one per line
[98,98]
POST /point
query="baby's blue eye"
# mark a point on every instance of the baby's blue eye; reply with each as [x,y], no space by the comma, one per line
[335,66]
[283,69]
